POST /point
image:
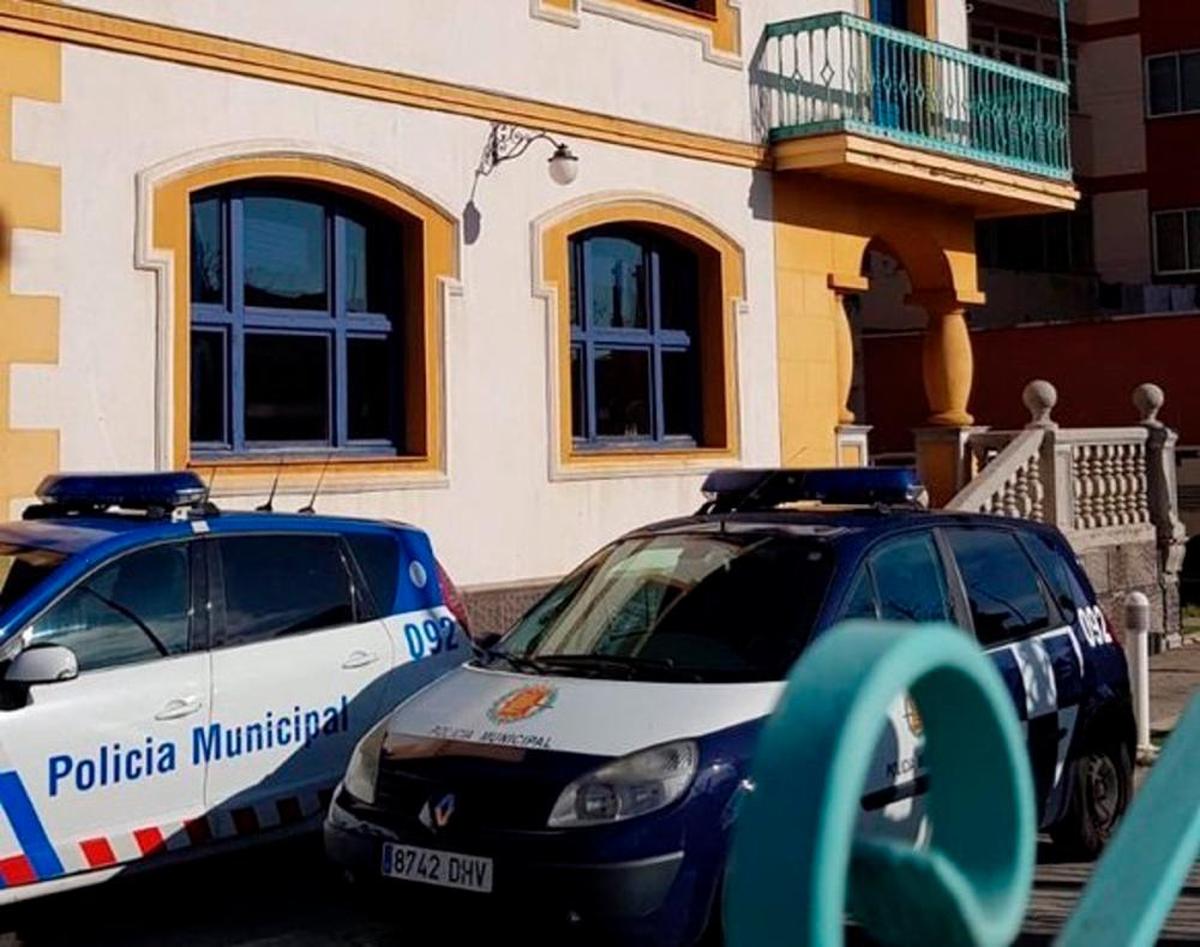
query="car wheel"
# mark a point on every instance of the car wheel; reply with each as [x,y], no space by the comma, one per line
[1101,788]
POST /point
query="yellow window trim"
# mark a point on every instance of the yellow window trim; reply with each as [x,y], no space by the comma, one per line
[718,25]
[431,228]
[189,47]
[551,240]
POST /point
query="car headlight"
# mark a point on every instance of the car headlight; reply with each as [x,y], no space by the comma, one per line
[363,770]
[631,786]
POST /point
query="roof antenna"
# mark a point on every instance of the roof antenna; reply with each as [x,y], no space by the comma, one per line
[204,504]
[269,506]
[311,506]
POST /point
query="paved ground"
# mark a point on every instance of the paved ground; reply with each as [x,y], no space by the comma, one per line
[285,896]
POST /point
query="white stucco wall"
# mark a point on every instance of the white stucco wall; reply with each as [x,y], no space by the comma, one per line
[1122,227]
[500,518]
[1111,96]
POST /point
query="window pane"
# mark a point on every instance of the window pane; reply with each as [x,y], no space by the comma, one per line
[681,394]
[1193,239]
[1189,72]
[370,382]
[134,610]
[276,586]
[622,393]
[1164,85]
[1170,254]
[1002,588]
[616,283]
[208,252]
[368,267]
[287,387]
[208,387]
[860,603]
[284,248]
[578,394]
[908,576]
[378,558]
[679,290]
[1065,587]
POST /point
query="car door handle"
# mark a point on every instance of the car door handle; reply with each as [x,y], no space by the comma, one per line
[180,707]
[359,659]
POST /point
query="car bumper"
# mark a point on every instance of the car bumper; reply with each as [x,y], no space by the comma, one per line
[644,900]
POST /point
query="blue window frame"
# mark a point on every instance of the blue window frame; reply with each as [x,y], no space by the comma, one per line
[635,344]
[296,318]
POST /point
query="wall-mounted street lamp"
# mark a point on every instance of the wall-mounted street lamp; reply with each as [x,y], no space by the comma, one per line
[506,142]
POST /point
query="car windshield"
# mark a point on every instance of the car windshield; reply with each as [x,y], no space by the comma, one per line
[692,607]
[22,568]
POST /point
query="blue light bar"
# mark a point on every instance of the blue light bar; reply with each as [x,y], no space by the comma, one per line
[133,491]
[764,489]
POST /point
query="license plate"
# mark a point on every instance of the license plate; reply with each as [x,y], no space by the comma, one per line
[446,869]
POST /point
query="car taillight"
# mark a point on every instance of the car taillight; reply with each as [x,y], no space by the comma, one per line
[453,598]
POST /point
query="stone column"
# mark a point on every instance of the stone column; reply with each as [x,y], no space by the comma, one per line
[1164,504]
[948,366]
[844,285]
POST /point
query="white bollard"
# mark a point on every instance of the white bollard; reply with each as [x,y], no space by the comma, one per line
[1137,654]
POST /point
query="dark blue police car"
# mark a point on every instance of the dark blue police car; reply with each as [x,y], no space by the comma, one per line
[591,761]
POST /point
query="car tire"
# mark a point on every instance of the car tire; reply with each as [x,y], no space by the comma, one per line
[1101,787]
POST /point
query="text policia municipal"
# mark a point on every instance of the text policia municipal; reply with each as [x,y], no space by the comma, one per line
[113,763]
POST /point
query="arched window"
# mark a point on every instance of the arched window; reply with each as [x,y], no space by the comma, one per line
[297,311]
[635,338]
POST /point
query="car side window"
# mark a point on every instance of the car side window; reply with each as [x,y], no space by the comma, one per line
[860,603]
[909,580]
[378,558]
[1064,584]
[135,609]
[278,585]
[1003,590]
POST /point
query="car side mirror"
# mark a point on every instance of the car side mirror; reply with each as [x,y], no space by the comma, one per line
[46,664]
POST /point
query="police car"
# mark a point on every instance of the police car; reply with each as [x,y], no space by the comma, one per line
[172,676]
[590,762]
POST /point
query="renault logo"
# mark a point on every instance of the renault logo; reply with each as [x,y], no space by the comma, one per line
[437,815]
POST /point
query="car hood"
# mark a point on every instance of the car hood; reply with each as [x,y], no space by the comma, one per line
[576,715]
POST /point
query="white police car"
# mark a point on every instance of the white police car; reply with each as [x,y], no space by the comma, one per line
[173,676]
[590,763]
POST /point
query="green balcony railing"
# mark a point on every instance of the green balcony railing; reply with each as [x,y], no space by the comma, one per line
[840,73]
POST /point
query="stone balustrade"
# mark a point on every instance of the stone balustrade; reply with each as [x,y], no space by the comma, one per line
[1111,491]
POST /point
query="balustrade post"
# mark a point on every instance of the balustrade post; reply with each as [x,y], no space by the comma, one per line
[1040,398]
[1163,499]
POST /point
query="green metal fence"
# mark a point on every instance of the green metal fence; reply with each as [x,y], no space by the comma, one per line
[837,72]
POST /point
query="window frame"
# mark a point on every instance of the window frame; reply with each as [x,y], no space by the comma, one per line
[1176,55]
[1187,249]
[654,339]
[995,47]
[362,604]
[1054,613]
[232,319]
[197,614]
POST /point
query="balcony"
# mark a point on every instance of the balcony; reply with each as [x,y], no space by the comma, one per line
[841,95]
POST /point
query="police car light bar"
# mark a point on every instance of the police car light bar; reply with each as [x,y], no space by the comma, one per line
[147,492]
[764,489]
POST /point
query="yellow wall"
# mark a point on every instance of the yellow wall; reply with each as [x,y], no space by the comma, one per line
[29,198]
[822,230]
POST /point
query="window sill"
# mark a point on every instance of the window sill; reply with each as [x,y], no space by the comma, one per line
[238,476]
[598,462]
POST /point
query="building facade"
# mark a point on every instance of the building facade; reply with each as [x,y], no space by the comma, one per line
[272,240]
[1133,244]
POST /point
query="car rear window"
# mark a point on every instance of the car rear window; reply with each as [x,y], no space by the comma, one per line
[681,606]
[378,557]
[22,568]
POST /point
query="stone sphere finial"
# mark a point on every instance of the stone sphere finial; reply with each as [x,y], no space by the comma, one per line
[1148,399]
[1040,397]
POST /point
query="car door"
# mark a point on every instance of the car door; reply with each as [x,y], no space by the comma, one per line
[97,770]
[298,669]
[1017,622]
[901,579]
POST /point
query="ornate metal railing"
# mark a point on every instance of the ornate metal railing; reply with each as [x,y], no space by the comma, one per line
[837,72]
